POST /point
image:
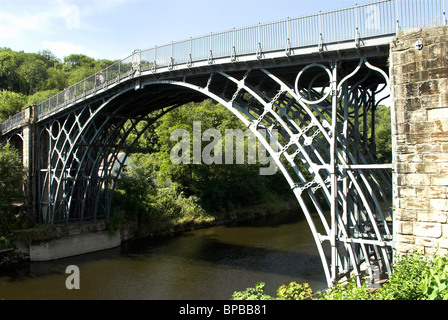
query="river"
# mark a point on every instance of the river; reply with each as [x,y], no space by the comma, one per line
[204,264]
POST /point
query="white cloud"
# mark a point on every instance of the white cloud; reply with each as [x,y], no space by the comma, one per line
[63,49]
[20,17]
[13,25]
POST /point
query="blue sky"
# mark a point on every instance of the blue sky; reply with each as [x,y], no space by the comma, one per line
[112,29]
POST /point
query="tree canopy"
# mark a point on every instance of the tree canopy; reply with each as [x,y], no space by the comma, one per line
[29,78]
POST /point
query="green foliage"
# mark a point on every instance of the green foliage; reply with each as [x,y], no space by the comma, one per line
[383,135]
[219,186]
[256,293]
[404,284]
[138,187]
[11,182]
[294,291]
[38,76]
[416,277]
[11,103]
[348,291]
[434,282]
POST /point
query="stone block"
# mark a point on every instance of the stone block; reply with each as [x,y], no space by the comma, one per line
[439,137]
[439,205]
[424,127]
[417,116]
[441,125]
[436,158]
[439,73]
[418,179]
[414,203]
[437,114]
[409,158]
[443,167]
[405,239]
[445,231]
[426,167]
[444,147]
[428,148]
[428,229]
[439,180]
[429,88]
[431,192]
[405,227]
[431,216]
[426,242]
[409,67]
[443,243]
[406,192]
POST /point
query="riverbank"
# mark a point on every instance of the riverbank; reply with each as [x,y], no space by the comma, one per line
[44,243]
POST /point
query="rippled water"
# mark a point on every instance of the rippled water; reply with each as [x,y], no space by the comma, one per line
[207,264]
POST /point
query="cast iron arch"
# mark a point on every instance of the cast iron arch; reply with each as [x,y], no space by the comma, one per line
[302,125]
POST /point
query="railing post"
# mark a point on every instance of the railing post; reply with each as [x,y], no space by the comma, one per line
[190,57]
[444,12]
[233,54]
[288,42]
[154,66]
[357,36]
[321,41]
[397,18]
[210,55]
[170,65]
[259,42]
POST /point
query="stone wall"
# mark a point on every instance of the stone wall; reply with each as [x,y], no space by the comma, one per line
[419,81]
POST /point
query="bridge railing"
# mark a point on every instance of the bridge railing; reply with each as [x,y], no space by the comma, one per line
[12,122]
[374,19]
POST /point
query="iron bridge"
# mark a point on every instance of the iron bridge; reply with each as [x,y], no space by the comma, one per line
[308,82]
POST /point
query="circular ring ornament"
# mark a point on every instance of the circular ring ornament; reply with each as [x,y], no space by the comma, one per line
[330,77]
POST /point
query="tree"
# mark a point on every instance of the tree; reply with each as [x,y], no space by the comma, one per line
[74,61]
[33,74]
[219,186]
[10,62]
[11,183]
[11,103]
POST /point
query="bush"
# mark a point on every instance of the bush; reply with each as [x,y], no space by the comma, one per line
[256,293]
[434,285]
[415,277]
[404,284]
[294,291]
[11,183]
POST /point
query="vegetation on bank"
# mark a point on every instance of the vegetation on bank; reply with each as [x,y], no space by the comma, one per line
[415,277]
[11,182]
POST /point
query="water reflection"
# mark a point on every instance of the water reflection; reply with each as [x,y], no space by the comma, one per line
[208,263]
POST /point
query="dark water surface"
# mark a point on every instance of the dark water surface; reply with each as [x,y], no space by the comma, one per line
[205,264]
